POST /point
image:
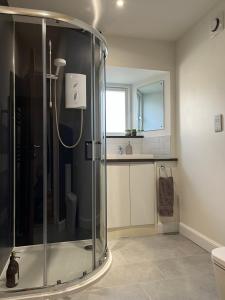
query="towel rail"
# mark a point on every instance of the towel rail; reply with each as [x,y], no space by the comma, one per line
[162,167]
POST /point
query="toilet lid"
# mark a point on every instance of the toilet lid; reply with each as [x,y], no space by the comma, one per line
[218,255]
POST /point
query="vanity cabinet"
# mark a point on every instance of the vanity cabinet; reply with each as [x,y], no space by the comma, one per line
[131,192]
[142,194]
[118,195]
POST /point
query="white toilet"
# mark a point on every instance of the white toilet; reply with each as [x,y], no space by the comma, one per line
[218,258]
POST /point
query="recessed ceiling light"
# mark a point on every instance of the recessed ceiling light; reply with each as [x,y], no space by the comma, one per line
[120,3]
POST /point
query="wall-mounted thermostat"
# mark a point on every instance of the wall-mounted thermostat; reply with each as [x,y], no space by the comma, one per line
[218,123]
[216,25]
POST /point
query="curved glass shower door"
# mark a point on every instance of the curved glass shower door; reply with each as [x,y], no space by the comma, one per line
[29,167]
[56,111]
[100,158]
[76,217]
[69,216]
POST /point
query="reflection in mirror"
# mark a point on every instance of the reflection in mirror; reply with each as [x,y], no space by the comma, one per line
[151,106]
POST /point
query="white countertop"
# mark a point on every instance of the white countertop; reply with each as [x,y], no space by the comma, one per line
[130,156]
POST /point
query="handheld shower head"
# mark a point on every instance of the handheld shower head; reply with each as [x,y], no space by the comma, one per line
[59,62]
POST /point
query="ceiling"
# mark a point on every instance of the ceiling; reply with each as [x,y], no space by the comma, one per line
[152,88]
[149,19]
[129,75]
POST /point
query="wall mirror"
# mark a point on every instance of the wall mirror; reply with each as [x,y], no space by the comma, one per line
[151,106]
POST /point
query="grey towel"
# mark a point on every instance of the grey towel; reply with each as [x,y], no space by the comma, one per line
[166,196]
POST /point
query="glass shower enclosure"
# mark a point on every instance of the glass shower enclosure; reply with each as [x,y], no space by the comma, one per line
[52,149]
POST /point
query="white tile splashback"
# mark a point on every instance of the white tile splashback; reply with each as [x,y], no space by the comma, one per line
[149,145]
[157,145]
[114,143]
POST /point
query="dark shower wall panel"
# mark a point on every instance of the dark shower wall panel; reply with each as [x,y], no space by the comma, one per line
[75,47]
[82,168]
[29,137]
[6,174]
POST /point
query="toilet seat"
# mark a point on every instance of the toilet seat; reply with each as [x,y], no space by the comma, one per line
[218,257]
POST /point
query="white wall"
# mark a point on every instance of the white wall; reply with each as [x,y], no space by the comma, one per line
[200,96]
[141,53]
[146,54]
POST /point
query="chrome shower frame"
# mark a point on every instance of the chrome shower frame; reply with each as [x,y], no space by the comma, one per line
[48,290]
[53,16]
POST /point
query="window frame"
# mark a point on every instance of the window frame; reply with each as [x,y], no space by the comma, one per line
[128,110]
[140,110]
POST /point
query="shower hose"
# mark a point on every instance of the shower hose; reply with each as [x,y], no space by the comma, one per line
[57,122]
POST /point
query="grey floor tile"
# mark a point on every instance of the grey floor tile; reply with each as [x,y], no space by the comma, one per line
[188,248]
[167,290]
[119,258]
[172,244]
[141,253]
[170,268]
[197,265]
[133,292]
[184,288]
[130,274]
[186,266]
[160,267]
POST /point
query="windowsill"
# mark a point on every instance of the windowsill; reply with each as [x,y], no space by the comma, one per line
[124,137]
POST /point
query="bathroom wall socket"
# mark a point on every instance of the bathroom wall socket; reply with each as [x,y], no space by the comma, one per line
[218,123]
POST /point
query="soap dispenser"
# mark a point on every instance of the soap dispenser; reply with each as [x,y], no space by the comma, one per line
[12,273]
[129,149]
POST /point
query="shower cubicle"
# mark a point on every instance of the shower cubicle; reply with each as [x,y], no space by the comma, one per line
[52,150]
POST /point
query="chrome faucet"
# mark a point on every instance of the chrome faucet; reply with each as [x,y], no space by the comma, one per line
[120,149]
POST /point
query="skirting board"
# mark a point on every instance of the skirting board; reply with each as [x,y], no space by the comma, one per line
[198,238]
[168,227]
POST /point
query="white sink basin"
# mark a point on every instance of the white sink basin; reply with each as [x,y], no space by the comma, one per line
[130,156]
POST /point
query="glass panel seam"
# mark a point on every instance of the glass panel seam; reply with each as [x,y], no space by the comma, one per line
[14,139]
[93,157]
[44,152]
[105,162]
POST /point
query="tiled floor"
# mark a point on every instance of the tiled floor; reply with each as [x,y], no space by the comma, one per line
[162,267]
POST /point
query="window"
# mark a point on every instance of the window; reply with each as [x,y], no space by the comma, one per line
[117,109]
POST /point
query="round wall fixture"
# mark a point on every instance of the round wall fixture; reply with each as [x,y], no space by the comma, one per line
[215,25]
